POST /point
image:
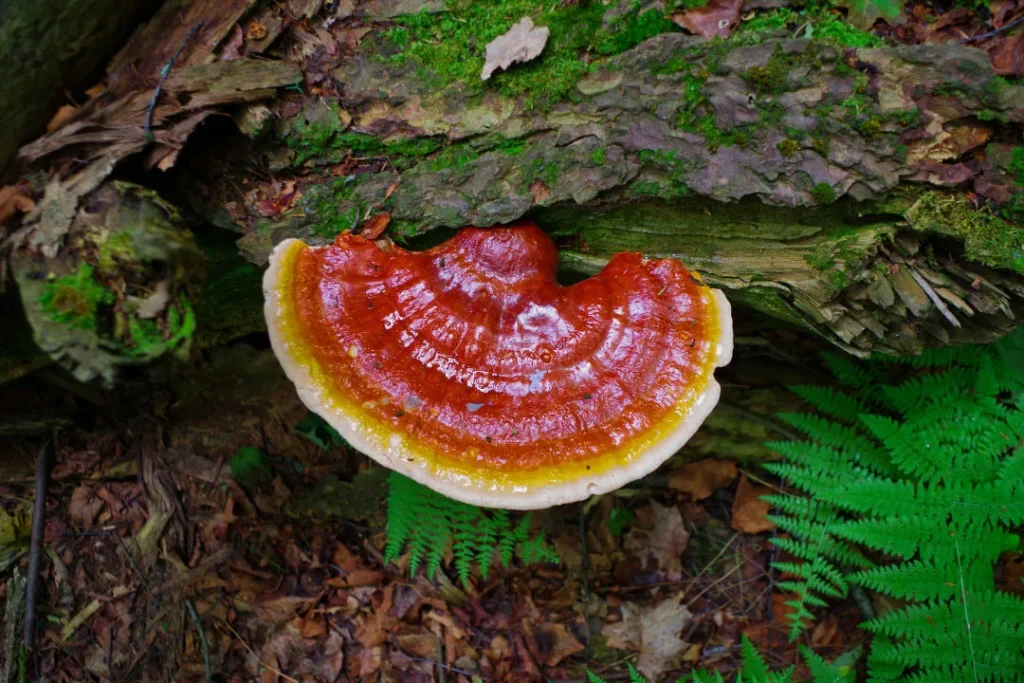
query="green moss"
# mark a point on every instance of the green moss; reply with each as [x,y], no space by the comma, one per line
[147,340]
[815,20]
[457,156]
[511,146]
[416,147]
[448,47]
[773,77]
[841,247]
[987,238]
[674,169]
[989,115]
[789,147]
[838,32]
[821,145]
[598,155]
[631,30]
[837,281]
[871,128]
[821,258]
[335,206]
[823,193]
[74,300]
[114,249]
[1016,166]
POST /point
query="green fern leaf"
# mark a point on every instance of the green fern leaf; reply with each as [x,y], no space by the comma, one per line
[931,475]
[426,524]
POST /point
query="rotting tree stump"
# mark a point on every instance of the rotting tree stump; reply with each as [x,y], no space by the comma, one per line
[835,189]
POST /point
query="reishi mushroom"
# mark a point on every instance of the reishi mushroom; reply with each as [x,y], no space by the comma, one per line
[470,369]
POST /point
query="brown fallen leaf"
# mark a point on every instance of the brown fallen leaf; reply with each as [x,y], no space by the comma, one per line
[232,47]
[717,19]
[701,478]
[356,577]
[556,643]
[63,115]
[521,43]
[749,512]
[374,228]
[313,627]
[84,506]
[664,543]
[13,200]
[1007,55]
[281,202]
[654,632]
[540,192]
[418,644]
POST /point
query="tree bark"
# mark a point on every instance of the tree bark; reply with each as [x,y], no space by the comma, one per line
[808,189]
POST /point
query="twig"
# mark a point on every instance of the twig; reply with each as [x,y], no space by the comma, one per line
[163,77]
[36,553]
[992,34]
[256,654]
[202,639]
[714,583]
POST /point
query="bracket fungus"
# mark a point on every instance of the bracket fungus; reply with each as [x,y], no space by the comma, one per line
[470,369]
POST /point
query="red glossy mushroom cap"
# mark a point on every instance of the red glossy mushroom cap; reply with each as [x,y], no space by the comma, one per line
[468,368]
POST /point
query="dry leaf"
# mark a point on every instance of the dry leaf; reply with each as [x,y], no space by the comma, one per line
[83,506]
[749,512]
[232,47]
[314,627]
[63,115]
[664,544]
[1008,55]
[558,642]
[654,632]
[154,304]
[521,43]
[418,644]
[540,192]
[701,478]
[356,577]
[717,19]
[284,200]
[373,228]
[12,201]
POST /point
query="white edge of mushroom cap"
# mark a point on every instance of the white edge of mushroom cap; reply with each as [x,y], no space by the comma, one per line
[394,456]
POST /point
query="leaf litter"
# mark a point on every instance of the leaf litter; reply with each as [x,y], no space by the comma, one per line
[285,591]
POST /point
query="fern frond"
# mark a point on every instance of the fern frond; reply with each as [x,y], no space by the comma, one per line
[939,494]
[753,664]
[842,407]
[426,524]
[860,377]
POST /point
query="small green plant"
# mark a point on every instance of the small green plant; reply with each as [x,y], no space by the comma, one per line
[315,429]
[427,524]
[75,299]
[913,488]
[250,467]
[755,669]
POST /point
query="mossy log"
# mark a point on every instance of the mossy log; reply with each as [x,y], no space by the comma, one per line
[822,185]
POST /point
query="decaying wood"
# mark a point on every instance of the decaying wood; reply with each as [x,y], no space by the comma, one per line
[799,193]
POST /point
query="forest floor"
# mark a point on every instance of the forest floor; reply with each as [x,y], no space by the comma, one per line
[195,527]
[196,530]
